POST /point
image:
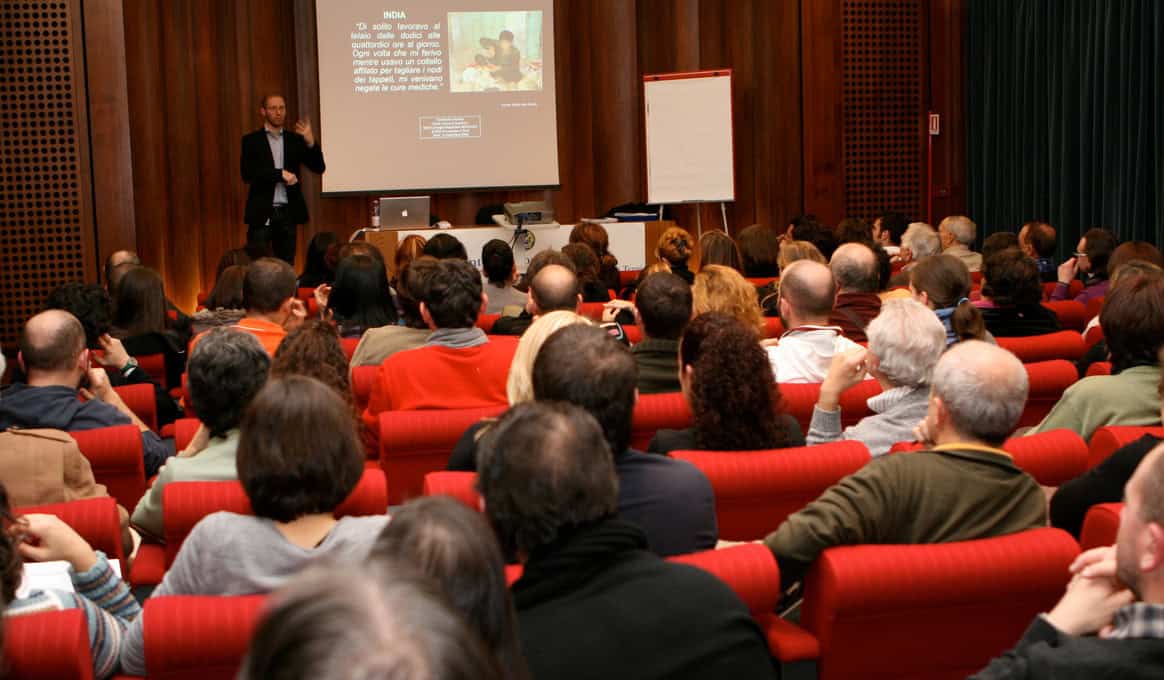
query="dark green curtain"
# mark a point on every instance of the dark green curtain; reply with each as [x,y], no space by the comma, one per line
[1065,116]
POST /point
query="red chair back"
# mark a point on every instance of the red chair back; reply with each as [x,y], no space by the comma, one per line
[305,294]
[1062,345]
[184,431]
[655,412]
[773,327]
[363,379]
[140,399]
[758,281]
[1074,289]
[1052,458]
[756,490]
[184,504]
[1101,525]
[931,611]
[976,278]
[1048,380]
[115,455]
[1107,440]
[485,321]
[634,334]
[750,570]
[592,310]
[799,399]
[198,637]
[415,443]
[155,366]
[1072,315]
[1098,368]
[95,519]
[460,485]
[1093,336]
[48,646]
[626,278]
[1094,307]
[349,346]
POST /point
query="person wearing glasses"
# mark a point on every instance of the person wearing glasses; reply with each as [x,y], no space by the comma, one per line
[1090,260]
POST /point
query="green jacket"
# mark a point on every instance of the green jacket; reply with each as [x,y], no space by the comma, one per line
[955,492]
[658,362]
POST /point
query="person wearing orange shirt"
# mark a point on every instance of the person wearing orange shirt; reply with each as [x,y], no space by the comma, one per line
[272,308]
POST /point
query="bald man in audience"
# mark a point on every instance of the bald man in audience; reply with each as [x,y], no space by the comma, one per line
[857,273]
[56,362]
[553,287]
[1110,622]
[805,351]
[962,487]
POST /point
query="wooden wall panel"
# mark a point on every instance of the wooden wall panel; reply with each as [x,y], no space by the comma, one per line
[946,84]
[821,101]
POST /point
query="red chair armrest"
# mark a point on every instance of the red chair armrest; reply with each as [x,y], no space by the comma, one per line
[788,641]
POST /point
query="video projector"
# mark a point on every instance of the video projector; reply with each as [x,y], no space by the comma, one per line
[528,212]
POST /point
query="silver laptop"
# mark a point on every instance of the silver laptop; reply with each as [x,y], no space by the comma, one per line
[405,212]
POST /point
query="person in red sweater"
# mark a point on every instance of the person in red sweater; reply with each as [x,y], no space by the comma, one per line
[459,366]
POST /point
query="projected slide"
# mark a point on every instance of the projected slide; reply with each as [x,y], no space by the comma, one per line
[418,96]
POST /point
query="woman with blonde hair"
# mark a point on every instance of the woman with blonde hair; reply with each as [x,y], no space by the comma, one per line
[407,250]
[519,386]
[798,250]
[723,289]
[674,248]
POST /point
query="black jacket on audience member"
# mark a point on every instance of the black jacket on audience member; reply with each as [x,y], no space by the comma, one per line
[1044,653]
[658,362]
[1022,321]
[512,325]
[1102,484]
[595,604]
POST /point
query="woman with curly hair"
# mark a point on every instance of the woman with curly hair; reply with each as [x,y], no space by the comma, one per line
[595,236]
[726,379]
[674,248]
[723,289]
[314,350]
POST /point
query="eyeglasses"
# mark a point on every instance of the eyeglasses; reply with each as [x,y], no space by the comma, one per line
[1079,255]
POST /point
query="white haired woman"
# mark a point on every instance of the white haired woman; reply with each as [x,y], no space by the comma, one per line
[905,342]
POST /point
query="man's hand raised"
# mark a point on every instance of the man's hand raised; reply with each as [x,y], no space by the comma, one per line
[303,127]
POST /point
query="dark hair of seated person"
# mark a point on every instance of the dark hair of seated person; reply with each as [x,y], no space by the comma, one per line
[452,293]
[335,623]
[410,289]
[497,262]
[455,546]
[1099,244]
[1132,319]
[663,301]
[716,247]
[545,469]
[11,563]
[1130,251]
[268,283]
[320,263]
[998,242]
[1011,279]
[228,289]
[734,398]
[585,366]
[298,451]
[589,272]
[360,297]
[139,306]
[227,369]
[313,350]
[946,282]
[90,303]
[759,250]
[853,230]
[445,246]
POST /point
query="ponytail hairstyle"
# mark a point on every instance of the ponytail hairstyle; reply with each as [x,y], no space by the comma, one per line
[946,282]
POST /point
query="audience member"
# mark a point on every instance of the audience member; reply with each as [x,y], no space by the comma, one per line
[957,234]
[905,342]
[104,599]
[298,459]
[224,306]
[1012,296]
[791,251]
[141,323]
[411,248]
[377,344]
[662,310]
[553,497]
[313,350]
[319,266]
[856,271]
[807,228]
[1108,623]
[587,268]
[456,547]
[670,499]
[445,246]
[332,625]
[272,307]
[56,364]
[595,236]
[227,369]
[1103,483]
[805,350]
[458,367]
[1037,241]
[1122,266]
[888,230]
[1133,326]
[759,251]
[1133,251]
[942,283]
[360,299]
[556,290]
[722,289]
[964,487]
[674,248]
[998,242]
[735,402]
[114,281]
[501,273]
[716,247]
[1090,260]
[116,259]
[917,243]
[853,230]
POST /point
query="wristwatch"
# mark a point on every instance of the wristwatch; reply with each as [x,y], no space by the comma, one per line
[128,367]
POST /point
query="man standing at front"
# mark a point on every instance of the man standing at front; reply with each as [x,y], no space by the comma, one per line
[270,163]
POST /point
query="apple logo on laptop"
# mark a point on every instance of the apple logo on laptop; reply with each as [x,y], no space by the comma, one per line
[404,213]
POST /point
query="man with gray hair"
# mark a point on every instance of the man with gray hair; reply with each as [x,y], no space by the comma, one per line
[905,342]
[957,233]
[961,487]
[857,273]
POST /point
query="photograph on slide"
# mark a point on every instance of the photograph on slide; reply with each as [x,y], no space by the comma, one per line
[495,51]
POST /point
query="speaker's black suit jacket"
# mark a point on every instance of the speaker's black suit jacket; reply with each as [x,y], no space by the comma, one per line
[259,171]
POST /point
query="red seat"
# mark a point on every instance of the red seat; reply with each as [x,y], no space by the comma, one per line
[1074,289]
[627,277]
[184,430]
[1100,526]
[925,611]
[1048,380]
[654,412]
[95,519]
[485,321]
[305,294]
[758,281]
[1093,337]
[415,443]
[1107,440]
[460,485]
[756,490]
[976,278]
[48,646]
[1098,368]
[773,327]
[349,346]
[592,310]
[115,455]
[1062,345]
[1052,458]
[140,399]
[155,366]
[184,504]
[198,637]
[1094,307]
[634,334]
[1072,315]
[363,379]
[800,398]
